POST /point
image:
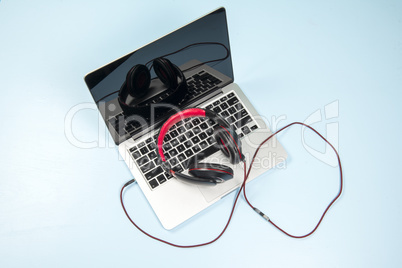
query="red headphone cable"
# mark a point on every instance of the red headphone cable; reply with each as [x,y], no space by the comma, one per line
[329,205]
[243,187]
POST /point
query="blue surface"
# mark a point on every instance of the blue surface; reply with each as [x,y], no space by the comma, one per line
[59,202]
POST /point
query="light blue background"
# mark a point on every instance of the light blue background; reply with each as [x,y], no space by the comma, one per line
[59,204]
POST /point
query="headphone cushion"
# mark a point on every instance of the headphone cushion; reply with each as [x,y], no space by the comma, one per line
[194,180]
[211,171]
[229,143]
[138,80]
[165,70]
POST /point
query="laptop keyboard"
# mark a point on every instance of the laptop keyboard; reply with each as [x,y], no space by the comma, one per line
[190,140]
[198,84]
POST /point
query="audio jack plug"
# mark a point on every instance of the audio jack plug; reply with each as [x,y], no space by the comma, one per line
[129,182]
[259,212]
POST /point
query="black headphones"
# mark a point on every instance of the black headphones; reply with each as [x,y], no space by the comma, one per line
[226,138]
[137,84]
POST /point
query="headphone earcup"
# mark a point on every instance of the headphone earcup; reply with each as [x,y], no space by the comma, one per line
[229,143]
[138,80]
[165,71]
[219,173]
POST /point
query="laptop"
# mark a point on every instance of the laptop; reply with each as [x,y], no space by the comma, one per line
[201,50]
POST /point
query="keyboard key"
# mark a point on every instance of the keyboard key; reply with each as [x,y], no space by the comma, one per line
[204,126]
[166,138]
[173,152]
[180,148]
[243,121]
[210,140]
[187,144]
[142,160]
[168,176]
[196,130]
[254,127]
[141,144]
[173,162]
[196,121]
[189,134]
[181,138]
[216,103]
[174,143]
[195,139]
[148,140]
[144,150]
[231,120]
[224,106]
[181,130]
[151,146]
[188,125]
[145,168]
[174,134]
[223,98]
[181,157]
[177,168]
[196,148]
[232,110]
[188,153]
[136,154]
[209,107]
[204,144]
[167,146]
[243,113]
[132,149]
[153,183]
[167,156]
[231,95]
[238,106]
[152,155]
[224,114]
[245,130]
[217,110]
[151,174]
[203,136]
[161,179]
[209,131]
[233,101]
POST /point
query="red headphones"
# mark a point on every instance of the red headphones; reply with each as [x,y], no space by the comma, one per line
[226,138]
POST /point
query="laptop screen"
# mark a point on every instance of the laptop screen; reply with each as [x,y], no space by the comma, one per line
[204,41]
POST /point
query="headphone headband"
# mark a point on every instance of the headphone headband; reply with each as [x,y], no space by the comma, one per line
[192,112]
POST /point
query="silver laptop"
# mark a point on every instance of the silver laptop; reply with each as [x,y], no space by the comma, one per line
[201,50]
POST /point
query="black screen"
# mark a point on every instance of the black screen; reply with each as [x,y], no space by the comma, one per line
[205,40]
